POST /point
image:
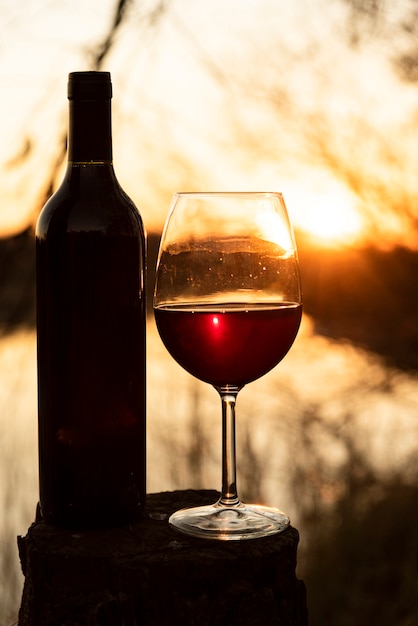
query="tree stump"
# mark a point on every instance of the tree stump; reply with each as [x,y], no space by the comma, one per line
[147,573]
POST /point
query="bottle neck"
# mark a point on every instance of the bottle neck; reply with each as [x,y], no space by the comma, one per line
[90,131]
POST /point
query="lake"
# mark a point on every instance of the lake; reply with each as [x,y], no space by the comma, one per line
[327,411]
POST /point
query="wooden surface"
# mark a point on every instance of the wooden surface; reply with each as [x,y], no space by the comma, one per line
[147,573]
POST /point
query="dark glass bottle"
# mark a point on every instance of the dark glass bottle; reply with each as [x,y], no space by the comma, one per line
[90,246]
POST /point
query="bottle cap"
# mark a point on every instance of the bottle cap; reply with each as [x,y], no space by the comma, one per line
[89,86]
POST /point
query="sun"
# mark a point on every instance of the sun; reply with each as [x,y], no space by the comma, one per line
[330,217]
[333,223]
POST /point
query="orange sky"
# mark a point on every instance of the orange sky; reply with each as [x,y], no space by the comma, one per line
[194,104]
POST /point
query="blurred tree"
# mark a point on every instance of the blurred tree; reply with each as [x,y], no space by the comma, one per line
[367,16]
[98,56]
[339,119]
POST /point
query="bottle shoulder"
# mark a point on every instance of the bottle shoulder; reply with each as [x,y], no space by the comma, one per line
[89,199]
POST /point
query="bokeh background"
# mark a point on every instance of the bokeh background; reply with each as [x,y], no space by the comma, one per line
[317,99]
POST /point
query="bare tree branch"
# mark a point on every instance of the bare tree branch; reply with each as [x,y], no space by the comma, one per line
[98,58]
[103,48]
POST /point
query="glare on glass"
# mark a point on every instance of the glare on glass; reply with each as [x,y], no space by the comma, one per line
[228,305]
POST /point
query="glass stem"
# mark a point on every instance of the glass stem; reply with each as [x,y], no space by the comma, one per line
[229,495]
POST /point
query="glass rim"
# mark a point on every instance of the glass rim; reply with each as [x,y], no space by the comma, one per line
[226,193]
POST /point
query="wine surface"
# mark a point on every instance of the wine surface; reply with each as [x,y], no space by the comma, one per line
[228,344]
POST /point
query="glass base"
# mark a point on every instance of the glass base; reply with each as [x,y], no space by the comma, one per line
[240,521]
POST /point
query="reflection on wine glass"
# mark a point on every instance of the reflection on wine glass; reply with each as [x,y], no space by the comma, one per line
[228,305]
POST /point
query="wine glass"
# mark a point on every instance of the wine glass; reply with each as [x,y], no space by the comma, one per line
[228,305]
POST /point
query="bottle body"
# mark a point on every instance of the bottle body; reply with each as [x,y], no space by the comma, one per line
[90,252]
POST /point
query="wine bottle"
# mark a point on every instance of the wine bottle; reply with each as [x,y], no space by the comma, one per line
[90,257]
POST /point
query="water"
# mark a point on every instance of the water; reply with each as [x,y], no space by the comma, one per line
[327,409]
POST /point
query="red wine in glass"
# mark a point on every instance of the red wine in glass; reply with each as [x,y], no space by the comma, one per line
[229,344]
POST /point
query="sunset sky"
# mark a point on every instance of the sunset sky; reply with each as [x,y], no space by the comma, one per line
[303,98]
